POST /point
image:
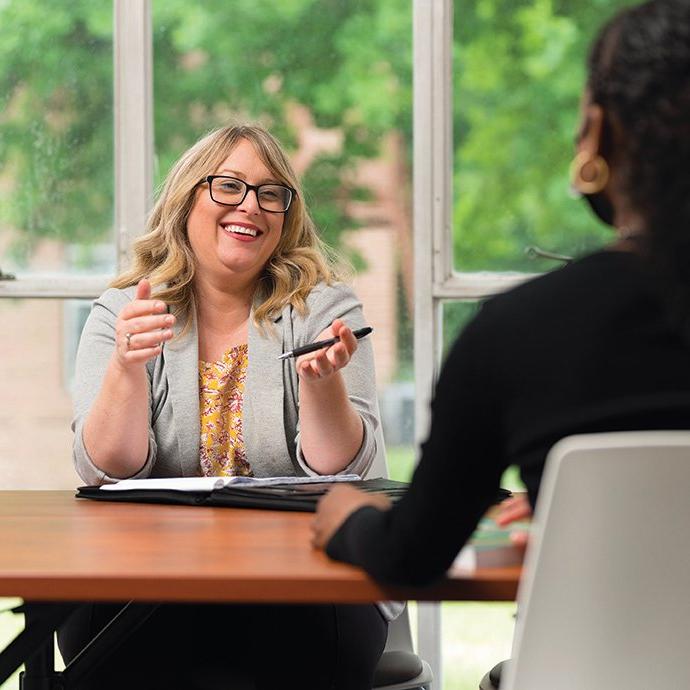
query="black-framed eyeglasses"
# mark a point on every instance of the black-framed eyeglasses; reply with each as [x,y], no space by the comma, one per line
[231,191]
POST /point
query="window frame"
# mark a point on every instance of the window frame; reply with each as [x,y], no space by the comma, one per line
[435,278]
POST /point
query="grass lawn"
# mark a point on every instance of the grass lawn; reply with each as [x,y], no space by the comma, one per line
[476,635]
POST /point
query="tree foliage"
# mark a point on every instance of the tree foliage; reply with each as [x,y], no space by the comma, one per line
[56,176]
[349,63]
[518,74]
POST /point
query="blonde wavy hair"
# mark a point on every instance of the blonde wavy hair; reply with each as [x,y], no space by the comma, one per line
[165,257]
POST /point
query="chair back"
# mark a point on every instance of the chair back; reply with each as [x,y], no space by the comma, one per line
[379,466]
[605,597]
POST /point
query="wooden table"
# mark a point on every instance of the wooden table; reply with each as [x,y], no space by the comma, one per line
[59,548]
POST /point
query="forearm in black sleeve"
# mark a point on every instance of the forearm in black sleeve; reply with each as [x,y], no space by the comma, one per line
[456,480]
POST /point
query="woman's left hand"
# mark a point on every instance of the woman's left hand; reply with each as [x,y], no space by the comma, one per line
[325,362]
[336,506]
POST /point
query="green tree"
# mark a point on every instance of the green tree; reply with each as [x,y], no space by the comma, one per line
[519,73]
[56,176]
[347,62]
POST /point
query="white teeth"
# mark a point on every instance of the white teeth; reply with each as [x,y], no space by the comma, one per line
[240,230]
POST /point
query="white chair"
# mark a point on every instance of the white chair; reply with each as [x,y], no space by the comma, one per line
[605,599]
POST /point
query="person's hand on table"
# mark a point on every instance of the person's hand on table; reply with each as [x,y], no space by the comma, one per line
[511,510]
[336,506]
[323,363]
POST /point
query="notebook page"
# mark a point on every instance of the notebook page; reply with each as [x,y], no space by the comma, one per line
[211,483]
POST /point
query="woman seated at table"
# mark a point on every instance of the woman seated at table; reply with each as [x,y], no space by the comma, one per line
[178,375]
[600,345]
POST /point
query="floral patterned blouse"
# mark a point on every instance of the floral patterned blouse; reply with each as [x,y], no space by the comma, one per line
[221,390]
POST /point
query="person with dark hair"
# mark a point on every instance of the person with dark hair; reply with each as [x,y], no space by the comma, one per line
[600,345]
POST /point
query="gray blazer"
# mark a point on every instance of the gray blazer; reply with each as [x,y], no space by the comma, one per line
[270,414]
[271,395]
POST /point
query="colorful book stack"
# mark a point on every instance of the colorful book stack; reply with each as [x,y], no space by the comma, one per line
[491,547]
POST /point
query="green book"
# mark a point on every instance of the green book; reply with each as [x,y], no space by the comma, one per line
[490,546]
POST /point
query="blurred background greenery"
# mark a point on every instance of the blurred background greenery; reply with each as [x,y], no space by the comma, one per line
[518,69]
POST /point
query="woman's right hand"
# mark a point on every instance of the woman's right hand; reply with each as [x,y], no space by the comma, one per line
[512,510]
[141,328]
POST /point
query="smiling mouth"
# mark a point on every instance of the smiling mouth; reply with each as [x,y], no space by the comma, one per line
[241,230]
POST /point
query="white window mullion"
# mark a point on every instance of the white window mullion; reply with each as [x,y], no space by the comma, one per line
[133,115]
[433,149]
[55,287]
[478,285]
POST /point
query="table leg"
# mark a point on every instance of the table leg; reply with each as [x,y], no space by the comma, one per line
[34,645]
[39,670]
[127,620]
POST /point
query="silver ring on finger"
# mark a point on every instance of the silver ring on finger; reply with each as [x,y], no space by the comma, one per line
[128,338]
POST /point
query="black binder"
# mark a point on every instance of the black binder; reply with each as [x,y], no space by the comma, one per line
[299,497]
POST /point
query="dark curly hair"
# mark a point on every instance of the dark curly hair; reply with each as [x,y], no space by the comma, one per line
[639,72]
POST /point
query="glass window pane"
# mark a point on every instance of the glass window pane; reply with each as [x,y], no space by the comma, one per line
[56,132]
[456,315]
[333,81]
[476,636]
[518,75]
[36,408]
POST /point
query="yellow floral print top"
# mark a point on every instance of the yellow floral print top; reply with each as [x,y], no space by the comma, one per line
[221,390]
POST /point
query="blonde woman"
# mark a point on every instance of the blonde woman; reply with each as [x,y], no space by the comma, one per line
[178,375]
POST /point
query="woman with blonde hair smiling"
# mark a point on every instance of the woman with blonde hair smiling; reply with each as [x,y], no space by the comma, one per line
[178,375]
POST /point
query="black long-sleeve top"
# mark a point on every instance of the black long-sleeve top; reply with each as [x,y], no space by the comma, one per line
[583,349]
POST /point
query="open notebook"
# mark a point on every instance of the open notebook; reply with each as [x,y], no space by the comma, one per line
[211,483]
[273,493]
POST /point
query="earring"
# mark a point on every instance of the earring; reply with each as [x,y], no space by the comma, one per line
[588,174]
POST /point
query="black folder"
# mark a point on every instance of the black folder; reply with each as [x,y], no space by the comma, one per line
[299,497]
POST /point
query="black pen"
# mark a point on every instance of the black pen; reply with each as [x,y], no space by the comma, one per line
[359,333]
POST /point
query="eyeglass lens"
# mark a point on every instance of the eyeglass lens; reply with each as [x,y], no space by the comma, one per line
[271,197]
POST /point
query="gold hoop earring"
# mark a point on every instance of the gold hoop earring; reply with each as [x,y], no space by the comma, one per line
[588,174]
